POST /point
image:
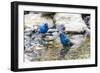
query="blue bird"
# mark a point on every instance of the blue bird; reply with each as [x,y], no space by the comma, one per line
[64,39]
[43,28]
[66,45]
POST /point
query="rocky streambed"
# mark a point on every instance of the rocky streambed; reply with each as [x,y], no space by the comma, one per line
[44,47]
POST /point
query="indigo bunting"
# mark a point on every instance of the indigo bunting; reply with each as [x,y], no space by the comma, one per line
[66,44]
[43,28]
[64,39]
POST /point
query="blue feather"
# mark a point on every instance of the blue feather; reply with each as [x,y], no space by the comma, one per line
[64,39]
[65,42]
[43,28]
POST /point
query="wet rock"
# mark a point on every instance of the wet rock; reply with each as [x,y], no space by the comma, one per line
[55,34]
[52,30]
[48,38]
[31,56]
[76,40]
[38,52]
[27,43]
[72,22]
[37,18]
[28,31]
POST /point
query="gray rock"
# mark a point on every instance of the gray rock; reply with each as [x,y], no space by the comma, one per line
[27,43]
[31,56]
[72,22]
[37,18]
[52,30]
[55,34]
[27,31]
[49,38]
[77,40]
